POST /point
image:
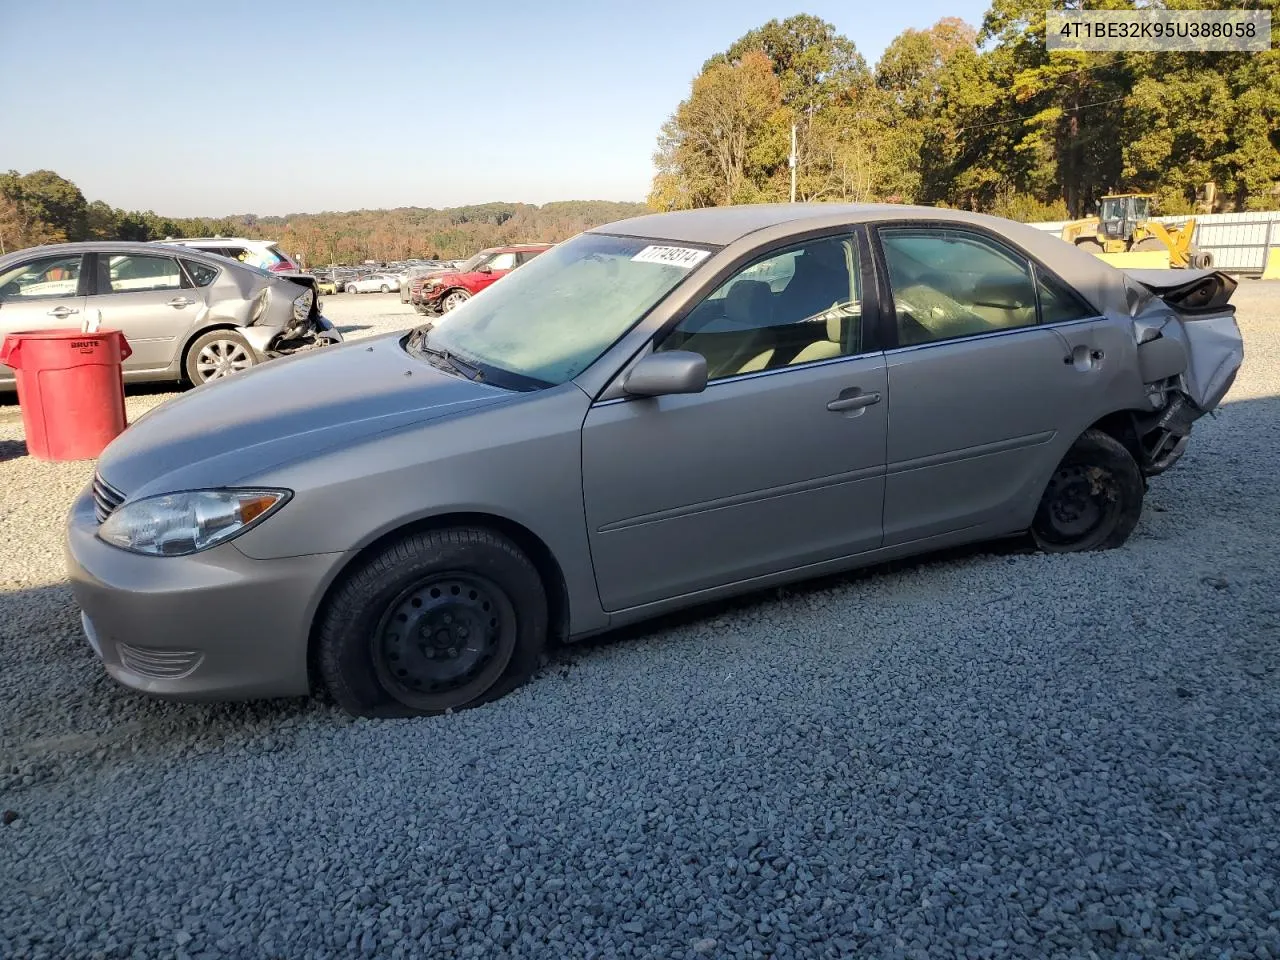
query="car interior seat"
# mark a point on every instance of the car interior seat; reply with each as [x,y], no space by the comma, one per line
[802,348]
[926,312]
[729,341]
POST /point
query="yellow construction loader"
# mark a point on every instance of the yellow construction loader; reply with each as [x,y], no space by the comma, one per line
[1124,225]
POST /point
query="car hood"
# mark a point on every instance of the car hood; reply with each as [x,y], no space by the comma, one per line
[228,430]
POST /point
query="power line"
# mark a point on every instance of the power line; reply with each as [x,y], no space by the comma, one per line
[1077,109]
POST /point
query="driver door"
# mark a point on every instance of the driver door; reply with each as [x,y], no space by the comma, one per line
[777,464]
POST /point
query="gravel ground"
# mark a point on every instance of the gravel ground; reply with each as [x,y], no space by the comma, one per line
[985,754]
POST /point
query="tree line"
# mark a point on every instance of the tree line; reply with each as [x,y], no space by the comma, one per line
[980,118]
[43,207]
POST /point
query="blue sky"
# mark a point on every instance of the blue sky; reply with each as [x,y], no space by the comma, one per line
[274,107]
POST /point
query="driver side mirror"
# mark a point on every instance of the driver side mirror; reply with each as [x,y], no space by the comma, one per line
[660,374]
[485,269]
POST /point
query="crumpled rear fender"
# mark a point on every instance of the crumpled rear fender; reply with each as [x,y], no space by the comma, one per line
[259,338]
[1189,350]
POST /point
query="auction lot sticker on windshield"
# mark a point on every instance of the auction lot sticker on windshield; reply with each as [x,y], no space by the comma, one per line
[683,257]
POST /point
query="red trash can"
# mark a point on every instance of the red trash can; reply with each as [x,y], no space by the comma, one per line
[70,389]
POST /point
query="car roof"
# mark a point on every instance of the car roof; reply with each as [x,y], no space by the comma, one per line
[720,226]
[186,240]
[518,247]
[114,246]
[1099,282]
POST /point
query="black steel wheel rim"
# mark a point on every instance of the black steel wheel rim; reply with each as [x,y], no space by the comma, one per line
[444,641]
[1079,501]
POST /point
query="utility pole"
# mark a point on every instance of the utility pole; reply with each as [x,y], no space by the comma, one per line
[793,163]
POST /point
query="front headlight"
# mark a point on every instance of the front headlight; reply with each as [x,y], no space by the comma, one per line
[302,305]
[178,524]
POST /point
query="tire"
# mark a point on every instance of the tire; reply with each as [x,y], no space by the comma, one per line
[1148,243]
[452,585]
[453,299]
[1089,245]
[216,355]
[1093,500]
[351,288]
[385,288]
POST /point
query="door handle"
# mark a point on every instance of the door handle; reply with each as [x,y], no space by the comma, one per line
[180,302]
[855,401]
[61,312]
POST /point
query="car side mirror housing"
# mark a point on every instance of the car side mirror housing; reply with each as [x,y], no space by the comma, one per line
[485,269]
[660,374]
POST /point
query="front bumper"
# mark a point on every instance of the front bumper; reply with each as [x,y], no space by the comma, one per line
[213,626]
[431,298]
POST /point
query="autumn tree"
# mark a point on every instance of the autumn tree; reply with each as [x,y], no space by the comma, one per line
[723,142]
[909,83]
[993,120]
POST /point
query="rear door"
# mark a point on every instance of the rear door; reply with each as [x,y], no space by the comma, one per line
[984,397]
[42,293]
[149,299]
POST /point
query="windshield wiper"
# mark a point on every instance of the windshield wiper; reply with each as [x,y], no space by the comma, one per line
[439,356]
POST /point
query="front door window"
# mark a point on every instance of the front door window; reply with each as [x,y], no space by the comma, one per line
[794,306]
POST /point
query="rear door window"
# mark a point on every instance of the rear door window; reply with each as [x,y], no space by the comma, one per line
[953,283]
[129,273]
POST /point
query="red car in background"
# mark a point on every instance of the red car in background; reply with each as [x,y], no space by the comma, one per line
[441,292]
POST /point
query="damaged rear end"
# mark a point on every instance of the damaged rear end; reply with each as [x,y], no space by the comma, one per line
[296,310]
[1189,352]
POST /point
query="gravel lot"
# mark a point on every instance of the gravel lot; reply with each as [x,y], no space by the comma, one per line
[986,754]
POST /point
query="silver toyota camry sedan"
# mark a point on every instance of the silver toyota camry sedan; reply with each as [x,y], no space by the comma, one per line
[655,413]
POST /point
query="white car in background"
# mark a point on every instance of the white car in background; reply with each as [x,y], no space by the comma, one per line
[373,283]
[264,254]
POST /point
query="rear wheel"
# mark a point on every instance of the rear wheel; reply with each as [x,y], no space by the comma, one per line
[218,354]
[351,288]
[435,622]
[453,299]
[1093,500]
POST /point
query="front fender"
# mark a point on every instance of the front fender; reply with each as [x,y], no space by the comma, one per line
[518,459]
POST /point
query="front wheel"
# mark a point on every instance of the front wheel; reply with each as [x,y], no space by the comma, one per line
[437,621]
[218,354]
[351,288]
[455,298]
[385,288]
[1093,500]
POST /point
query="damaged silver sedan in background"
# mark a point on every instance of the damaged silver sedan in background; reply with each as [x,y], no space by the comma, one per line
[656,413]
[188,315]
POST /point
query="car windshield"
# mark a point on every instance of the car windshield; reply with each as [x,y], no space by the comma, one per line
[548,321]
[474,262]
